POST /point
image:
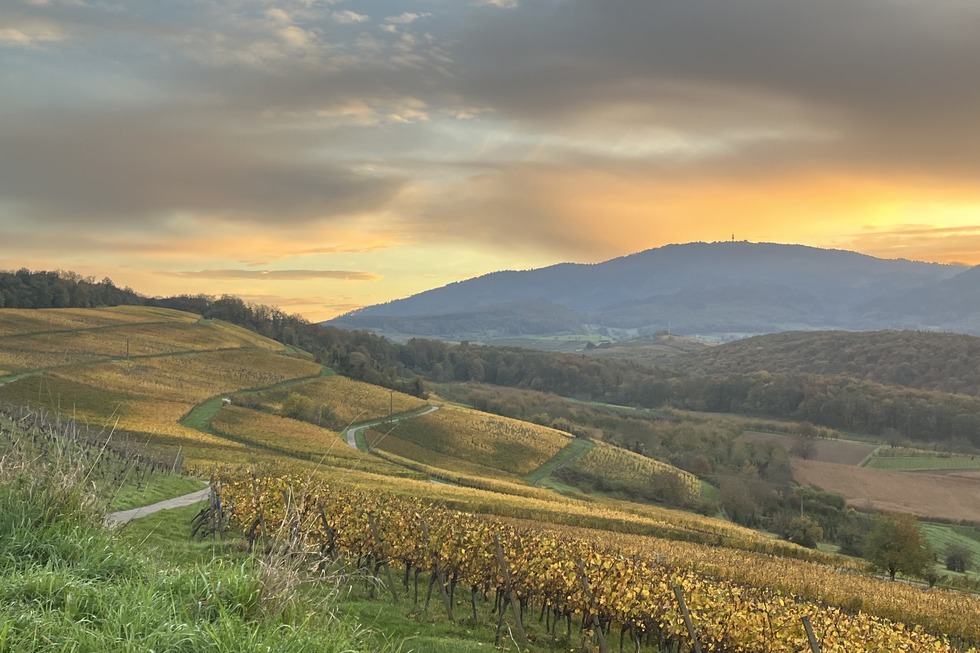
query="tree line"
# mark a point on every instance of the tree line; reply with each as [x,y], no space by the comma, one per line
[837,401]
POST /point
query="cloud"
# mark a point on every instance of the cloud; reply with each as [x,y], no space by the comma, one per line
[348,17]
[887,81]
[501,4]
[30,35]
[920,242]
[208,136]
[281,275]
[406,18]
[146,165]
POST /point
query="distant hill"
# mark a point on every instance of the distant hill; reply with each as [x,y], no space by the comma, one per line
[725,290]
[913,359]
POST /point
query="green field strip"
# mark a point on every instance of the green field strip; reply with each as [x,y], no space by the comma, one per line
[942,536]
[867,459]
[923,463]
[199,417]
[359,428]
[568,454]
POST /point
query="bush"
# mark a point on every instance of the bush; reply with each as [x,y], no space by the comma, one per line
[958,558]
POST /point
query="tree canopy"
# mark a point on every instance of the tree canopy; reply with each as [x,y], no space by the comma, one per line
[896,545]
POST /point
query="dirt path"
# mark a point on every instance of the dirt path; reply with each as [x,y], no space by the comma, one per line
[351,433]
[125,516]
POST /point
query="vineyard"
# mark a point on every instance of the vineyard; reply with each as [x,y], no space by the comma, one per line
[35,321]
[457,512]
[633,474]
[474,438]
[566,575]
[137,369]
[115,462]
[341,401]
[292,438]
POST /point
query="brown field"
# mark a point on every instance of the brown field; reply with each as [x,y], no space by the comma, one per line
[841,452]
[946,496]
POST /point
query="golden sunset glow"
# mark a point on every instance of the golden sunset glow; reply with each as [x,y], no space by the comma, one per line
[327,156]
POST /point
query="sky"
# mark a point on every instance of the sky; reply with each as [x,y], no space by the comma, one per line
[322,155]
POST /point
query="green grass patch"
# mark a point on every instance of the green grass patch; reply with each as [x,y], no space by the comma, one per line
[571,452]
[67,583]
[166,535]
[157,488]
[942,536]
[199,418]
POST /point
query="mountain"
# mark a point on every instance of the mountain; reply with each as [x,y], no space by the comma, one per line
[951,305]
[708,289]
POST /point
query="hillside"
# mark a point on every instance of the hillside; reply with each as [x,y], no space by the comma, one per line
[222,395]
[722,289]
[137,369]
[914,359]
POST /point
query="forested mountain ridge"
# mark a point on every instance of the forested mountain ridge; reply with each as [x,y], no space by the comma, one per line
[695,288]
[915,359]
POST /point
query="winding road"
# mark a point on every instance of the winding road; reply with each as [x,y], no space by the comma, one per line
[121,517]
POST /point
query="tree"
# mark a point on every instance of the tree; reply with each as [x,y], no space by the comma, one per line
[958,558]
[896,544]
[804,447]
[804,531]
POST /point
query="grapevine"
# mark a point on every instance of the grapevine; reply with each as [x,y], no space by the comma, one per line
[623,586]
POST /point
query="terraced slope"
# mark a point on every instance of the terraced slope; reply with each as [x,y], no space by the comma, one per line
[457,438]
[137,369]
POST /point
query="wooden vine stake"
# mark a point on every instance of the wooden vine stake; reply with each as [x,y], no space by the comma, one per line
[509,594]
[814,645]
[695,644]
[437,574]
[384,561]
[595,623]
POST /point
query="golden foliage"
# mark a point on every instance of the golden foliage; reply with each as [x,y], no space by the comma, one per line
[629,585]
[346,401]
[628,469]
[292,438]
[476,438]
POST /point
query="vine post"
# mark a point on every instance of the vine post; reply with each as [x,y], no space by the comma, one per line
[593,621]
[679,593]
[509,594]
[814,645]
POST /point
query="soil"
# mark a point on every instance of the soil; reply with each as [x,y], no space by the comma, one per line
[944,496]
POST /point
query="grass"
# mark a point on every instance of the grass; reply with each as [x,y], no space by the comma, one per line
[69,584]
[158,488]
[199,418]
[941,536]
[571,452]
